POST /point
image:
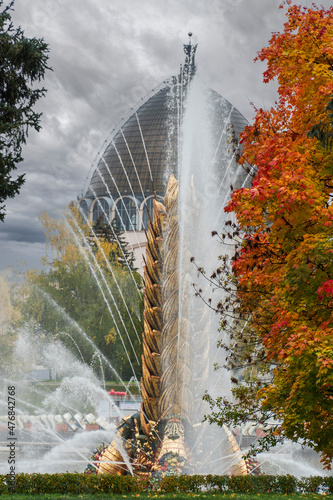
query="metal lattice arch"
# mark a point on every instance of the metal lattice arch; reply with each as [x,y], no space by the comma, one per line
[141,153]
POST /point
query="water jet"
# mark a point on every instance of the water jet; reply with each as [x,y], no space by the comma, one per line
[165,171]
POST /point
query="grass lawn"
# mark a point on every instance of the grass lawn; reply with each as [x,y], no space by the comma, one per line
[169,496]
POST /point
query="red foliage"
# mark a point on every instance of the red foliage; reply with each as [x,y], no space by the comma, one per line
[285,267]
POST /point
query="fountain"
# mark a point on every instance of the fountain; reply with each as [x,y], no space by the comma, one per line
[180,333]
[167,435]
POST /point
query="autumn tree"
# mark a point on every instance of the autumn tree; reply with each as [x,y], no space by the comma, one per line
[23,61]
[282,272]
[82,280]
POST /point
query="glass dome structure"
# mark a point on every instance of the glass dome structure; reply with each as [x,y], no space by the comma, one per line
[142,153]
[133,161]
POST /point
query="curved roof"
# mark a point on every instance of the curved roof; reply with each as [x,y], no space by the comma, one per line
[143,151]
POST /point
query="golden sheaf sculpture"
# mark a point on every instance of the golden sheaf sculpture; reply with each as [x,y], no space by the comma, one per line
[155,437]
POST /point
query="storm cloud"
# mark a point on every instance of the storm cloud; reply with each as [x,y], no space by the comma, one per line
[106,56]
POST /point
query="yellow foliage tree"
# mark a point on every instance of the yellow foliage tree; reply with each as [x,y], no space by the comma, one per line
[83,279]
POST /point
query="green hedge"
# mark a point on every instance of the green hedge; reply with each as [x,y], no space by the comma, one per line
[83,483]
[68,483]
[247,484]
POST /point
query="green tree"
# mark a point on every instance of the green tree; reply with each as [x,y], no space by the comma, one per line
[82,280]
[23,61]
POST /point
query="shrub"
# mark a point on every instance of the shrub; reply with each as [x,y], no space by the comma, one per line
[104,483]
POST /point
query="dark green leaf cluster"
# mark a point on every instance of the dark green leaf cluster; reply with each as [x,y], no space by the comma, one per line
[324,131]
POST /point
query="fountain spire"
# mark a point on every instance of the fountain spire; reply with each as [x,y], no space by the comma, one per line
[189,49]
[167,436]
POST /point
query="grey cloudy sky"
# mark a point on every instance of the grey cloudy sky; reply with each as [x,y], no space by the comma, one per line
[105,56]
